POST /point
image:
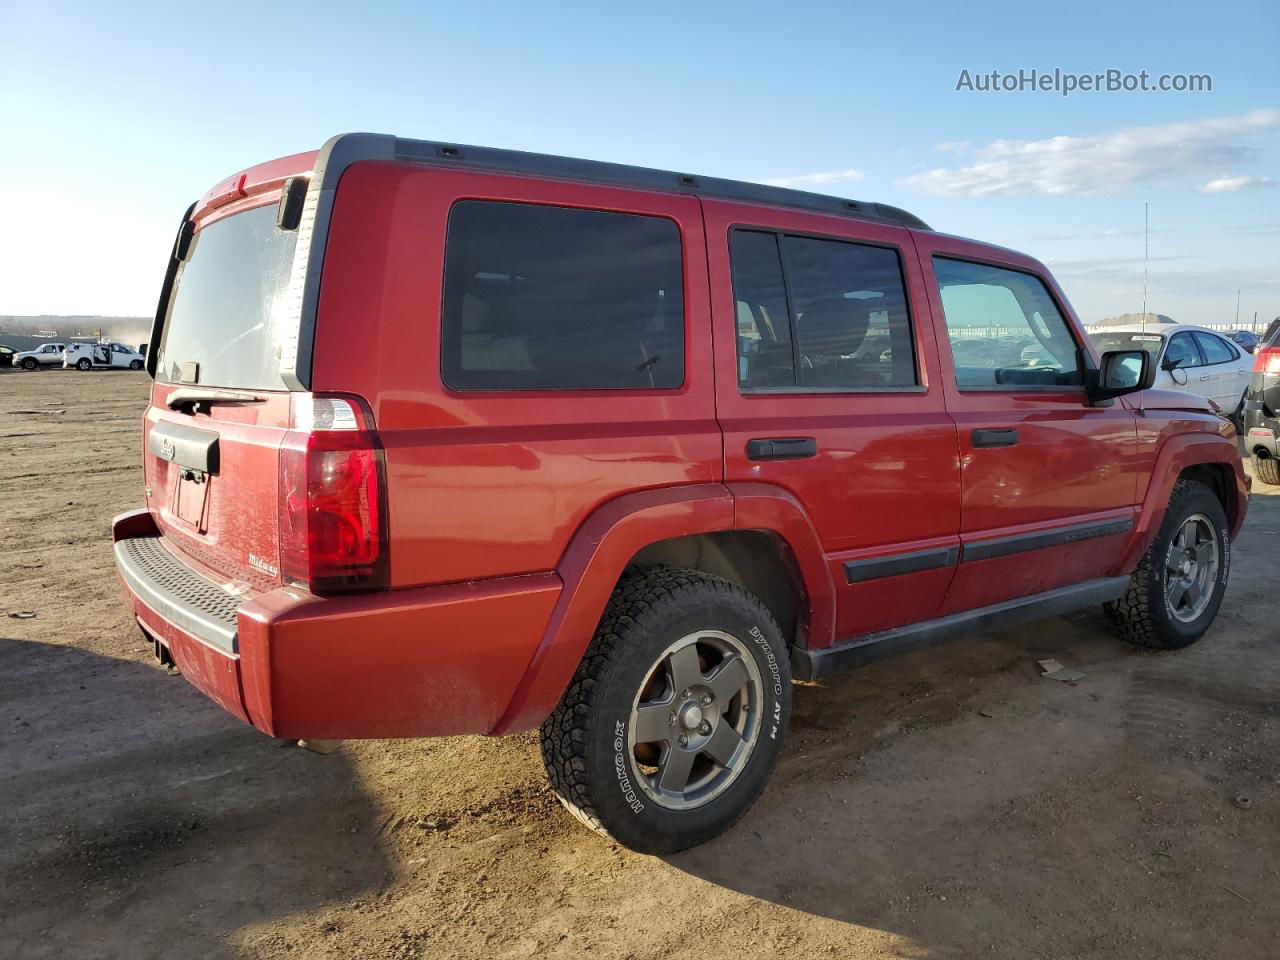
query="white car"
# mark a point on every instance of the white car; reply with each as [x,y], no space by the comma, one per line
[45,355]
[87,356]
[1187,358]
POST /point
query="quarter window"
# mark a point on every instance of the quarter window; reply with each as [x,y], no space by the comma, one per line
[1004,328]
[552,298]
[819,315]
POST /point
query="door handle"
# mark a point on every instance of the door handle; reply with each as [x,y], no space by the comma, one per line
[782,448]
[995,437]
[1204,376]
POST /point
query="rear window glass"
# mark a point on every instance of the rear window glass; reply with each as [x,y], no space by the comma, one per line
[551,298]
[235,279]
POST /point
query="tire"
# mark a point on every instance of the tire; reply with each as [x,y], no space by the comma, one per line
[29,363]
[135,364]
[598,763]
[1267,471]
[1159,610]
[83,363]
[1237,417]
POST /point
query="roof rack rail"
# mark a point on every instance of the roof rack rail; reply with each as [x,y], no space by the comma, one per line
[352,147]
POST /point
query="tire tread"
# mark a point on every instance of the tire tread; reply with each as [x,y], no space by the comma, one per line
[566,732]
[1131,615]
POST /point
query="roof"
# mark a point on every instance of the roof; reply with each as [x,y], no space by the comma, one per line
[348,148]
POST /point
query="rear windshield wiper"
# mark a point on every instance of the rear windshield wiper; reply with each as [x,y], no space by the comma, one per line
[188,398]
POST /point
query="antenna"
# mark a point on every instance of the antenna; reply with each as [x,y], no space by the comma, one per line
[1237,306]
[1146,257]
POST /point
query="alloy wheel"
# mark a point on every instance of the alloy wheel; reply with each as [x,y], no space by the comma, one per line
[695,720]
[1191,568]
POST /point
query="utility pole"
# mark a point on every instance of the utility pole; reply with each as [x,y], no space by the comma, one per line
[1146,256]
[1237,307]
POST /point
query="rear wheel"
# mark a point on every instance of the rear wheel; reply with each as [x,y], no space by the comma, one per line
[1267,470]
[1175,593]
[83,363]
[676,715]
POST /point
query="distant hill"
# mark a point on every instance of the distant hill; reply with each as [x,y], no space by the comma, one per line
[130,330]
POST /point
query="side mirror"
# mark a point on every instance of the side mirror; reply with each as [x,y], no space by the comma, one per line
[1121,372]
[1170,363]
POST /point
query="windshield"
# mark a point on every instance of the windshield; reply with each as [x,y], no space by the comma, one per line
[1149,342]
[220,313]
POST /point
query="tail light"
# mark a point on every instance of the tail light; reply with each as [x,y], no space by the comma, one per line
[1267,361]
[333,497]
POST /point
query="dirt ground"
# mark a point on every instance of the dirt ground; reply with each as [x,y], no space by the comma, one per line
[948,804]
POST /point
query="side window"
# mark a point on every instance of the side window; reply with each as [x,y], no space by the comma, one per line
[1182,351]
[1215,349]
[819,315]
[1004,328]
[765,358]
[553,298]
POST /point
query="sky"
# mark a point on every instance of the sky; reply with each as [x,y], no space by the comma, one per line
[114,117]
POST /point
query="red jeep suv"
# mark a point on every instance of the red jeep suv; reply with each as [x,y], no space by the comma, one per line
[446,439]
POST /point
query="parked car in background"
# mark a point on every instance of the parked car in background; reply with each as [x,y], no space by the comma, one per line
[6,355]
[1262,411]
[1245,340]
[88,356]
[45,355]
[1188,358]
[605,451]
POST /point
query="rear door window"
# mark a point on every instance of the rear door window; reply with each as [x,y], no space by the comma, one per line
[819,315]
[226,296]
[552,298]
[1215,349]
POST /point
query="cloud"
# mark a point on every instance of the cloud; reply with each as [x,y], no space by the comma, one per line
[1101,164]
[806,180]
[1232,184]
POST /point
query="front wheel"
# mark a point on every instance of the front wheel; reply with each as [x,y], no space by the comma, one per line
[135,364]
[676,715]
[1175,593]
[29,363]
[83,363]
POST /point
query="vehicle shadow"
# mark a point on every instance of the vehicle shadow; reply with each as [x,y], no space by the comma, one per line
[956,799]
[142,821]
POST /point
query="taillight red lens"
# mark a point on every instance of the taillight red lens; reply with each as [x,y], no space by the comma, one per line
[332,519]
[1267,361]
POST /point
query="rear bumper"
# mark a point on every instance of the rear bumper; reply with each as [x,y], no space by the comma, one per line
[430,661]
[1260,431]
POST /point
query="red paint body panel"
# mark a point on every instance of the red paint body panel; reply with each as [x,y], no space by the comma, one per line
[1172,441]
[590,569]
[1073,463]
[874,449]
[493,484]
[512,515]
[433,661]
[242,497]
